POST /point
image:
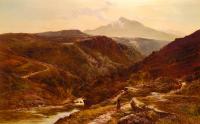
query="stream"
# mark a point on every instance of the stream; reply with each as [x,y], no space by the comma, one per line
[46,115]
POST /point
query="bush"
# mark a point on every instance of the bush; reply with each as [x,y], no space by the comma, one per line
[193,110]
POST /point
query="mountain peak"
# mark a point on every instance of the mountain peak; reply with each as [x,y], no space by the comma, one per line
[124,27]
[123,19]
[128,21]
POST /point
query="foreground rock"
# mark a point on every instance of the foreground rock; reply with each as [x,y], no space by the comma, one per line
[134,119]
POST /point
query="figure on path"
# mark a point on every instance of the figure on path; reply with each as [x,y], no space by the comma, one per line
[118,105]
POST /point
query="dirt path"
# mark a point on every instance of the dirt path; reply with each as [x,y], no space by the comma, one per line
[155,95]
[103,119]
[47,68]
[161,97]
[68,44]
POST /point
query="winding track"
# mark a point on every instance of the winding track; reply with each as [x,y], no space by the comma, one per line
[47,68]
[159,97]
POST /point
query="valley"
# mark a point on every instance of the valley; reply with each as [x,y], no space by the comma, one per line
[69,77]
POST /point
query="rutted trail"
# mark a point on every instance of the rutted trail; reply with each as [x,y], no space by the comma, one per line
[47,68]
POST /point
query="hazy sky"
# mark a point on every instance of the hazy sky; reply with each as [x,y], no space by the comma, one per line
[44,15]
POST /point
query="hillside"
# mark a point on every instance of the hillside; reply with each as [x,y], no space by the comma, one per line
[130,28]
[45,68]
[179,59]
[163,89]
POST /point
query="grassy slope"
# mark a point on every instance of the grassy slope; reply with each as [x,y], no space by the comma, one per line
[74,71]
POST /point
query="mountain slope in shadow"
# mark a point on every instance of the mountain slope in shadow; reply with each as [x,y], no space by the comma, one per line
[179,59]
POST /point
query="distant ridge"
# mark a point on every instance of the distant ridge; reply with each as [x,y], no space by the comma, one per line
[63,35]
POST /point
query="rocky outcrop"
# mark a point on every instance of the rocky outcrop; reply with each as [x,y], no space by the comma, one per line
[134,119]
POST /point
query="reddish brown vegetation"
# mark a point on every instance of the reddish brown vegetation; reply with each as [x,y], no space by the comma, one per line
[92,68]
[178,59]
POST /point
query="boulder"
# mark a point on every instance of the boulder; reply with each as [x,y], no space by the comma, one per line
[134,119]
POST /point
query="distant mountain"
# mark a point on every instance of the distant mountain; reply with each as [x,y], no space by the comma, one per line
[129,28]
[41,69]
[143,45]
[179,59]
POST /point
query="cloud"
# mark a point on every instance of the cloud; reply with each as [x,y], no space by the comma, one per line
[98,12]
[109,3]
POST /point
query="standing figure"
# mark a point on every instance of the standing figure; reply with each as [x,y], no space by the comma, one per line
[119,100]
[118,104]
